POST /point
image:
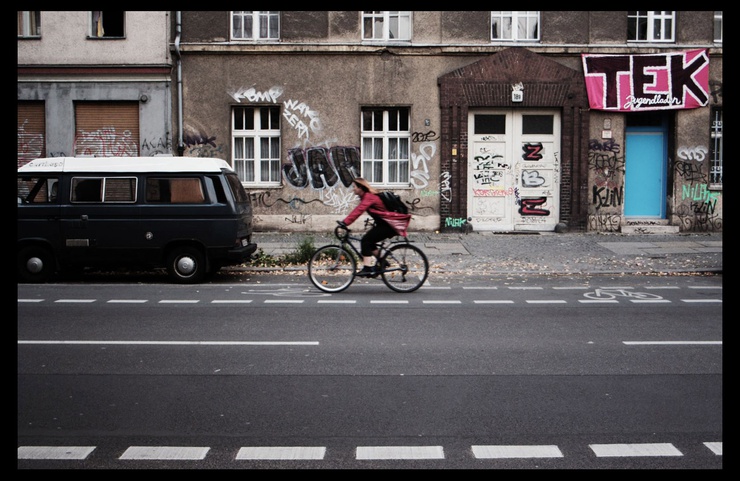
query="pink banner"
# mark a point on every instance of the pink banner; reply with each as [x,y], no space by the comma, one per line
[632,83]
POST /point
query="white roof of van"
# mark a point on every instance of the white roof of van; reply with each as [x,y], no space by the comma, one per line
[164,163]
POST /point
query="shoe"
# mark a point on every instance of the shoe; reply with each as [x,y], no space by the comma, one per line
[368,271]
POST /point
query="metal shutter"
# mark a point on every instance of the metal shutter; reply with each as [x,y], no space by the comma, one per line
[105,129]
[31,131]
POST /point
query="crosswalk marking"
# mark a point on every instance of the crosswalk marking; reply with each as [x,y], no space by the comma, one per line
[54,452]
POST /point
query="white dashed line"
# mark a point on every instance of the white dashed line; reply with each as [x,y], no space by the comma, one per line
[84,301]
[500,452]
[281,452]
[400,452]
[175,301]
[484,301]
[631,450]
[30,300]
[701,300]
[54,452]
[164,452]
[127,301]
[234,301]
[546,301]
[669,343]
[715,447]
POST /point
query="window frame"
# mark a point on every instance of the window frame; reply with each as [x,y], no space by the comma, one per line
[256,18]
[385,168]
[265,169]
[29,24]
[648,20]
[501,17]
[715,150]
[95,24]
[381,25]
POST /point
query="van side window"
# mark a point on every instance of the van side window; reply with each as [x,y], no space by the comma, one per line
[104,189]
[87,190]
[37,190]
[218,188]
[177,190]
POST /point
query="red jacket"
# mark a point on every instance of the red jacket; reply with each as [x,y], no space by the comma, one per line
[376,209]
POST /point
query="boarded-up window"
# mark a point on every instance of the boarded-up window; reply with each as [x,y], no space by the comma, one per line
[31,131]
[107,129]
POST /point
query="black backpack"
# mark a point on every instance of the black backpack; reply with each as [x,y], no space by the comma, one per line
[393,202]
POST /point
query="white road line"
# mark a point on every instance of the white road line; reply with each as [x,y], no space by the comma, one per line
[336,301]
[715,447]
[179,343]
[399,452]
[580,288]
[484,301]
[425,287]
[30,300]
[599,301]
[164,452]
[649,301]
[127,301]
[701,300]
[175,301]
[231,301]
[389,302]
[283,301]
[54,452]
[524,288]
[479,288]
[499,452]
[441,302]
[704,287]
[546,301]
[281,452]
[630,450]
[661,287]
[670,343]
[87,301]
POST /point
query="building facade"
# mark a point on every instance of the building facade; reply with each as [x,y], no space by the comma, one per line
[481,120]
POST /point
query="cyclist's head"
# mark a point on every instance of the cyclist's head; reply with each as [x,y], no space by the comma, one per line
[364,185]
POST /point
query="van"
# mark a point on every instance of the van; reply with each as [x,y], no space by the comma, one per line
[190,215]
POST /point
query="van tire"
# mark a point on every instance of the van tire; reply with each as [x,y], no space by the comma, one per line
[35,264]
[186,265]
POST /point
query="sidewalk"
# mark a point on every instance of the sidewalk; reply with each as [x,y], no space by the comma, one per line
[488,253]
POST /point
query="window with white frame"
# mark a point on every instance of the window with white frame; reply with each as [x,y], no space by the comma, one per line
[107,24]
[650,26]
[255,25]
[386,26]
[29,24]
[715,170]
[515,26]
[718,27]
[256,145]
[386,139]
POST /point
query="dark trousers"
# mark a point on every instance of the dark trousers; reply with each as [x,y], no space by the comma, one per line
[379,232]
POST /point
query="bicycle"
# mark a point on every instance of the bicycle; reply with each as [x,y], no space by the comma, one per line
[333,268]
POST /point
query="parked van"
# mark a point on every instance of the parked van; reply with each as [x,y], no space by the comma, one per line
[190,215]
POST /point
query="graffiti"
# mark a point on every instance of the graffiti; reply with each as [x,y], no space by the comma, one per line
[321,167]
[603,197]
[261,199]
[154,147]
[692,153]
[455,222]
[605,222]
[106,142]
[252,95]
[206,151]
[298,219]
[689,172]
[715,90]
[533,207]
[445,187]
[605,146]
[532,151]
[488,178]
[293,111]
[30,146]
[532,178]
[699,192]
[424,137]
[421,174]
[198,138]
[697,222]
[493,192]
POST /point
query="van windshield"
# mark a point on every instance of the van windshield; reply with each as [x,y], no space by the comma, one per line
[237,189]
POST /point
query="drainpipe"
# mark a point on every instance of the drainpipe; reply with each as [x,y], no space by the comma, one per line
[178,32]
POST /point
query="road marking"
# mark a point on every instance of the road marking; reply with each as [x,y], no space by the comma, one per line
[86,301]
[281,452]
[499,452]
[127,301]
[441,302]
[715,447]
[30,300]
[598,301]
[704,287]
[54,452]
[493,302]
[662,287]
[701,300]
[546,301]
[179,343]
[630,450]
[175,301]
[336,301]
[524,288]
[389,302]
[478,288]
[649,301]
[668,343]
[580,288]
[283,301]
[164,452]
[399,452]
[231,301]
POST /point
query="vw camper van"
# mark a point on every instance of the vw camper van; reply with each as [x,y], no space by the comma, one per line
[190,215]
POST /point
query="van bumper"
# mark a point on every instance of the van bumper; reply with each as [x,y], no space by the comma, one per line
[241,254]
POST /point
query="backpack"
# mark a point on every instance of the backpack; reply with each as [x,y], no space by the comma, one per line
[393,202]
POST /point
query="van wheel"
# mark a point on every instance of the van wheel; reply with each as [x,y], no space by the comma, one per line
[35,264]
[186,265]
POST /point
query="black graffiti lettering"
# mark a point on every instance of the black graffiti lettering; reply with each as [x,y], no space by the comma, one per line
[532,151]
[531,206]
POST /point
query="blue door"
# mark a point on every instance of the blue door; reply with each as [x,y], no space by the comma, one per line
[645,174]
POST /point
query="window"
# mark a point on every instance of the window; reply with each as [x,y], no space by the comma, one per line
[37,190]
[715,169]
[255,25]
[386,26]
[652,26]
[385,146]
[718,27]
[256,144]
[515,26]
[174,190]
[29,24]
[104,189]
[107,24]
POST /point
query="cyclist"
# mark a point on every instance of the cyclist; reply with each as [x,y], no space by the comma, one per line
[387,224]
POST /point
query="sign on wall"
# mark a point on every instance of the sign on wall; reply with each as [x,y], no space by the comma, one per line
[630,83]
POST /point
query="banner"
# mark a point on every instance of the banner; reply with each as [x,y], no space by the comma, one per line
[634,83]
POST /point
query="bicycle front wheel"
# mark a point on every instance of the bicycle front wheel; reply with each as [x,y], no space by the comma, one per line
[406,268]
[332,268]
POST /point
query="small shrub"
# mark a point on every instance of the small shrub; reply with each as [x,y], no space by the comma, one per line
[302,254]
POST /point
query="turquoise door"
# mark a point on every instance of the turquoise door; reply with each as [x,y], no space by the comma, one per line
[645,174]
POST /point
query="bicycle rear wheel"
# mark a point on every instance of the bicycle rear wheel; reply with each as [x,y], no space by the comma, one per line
[406,268]
[332,268]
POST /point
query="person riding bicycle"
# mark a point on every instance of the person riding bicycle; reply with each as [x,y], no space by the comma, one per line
[387,224]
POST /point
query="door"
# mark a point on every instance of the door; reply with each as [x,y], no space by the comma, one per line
[513,170]
[645,173]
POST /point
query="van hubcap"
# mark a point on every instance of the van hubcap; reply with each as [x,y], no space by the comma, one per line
[185,265]
[34,265]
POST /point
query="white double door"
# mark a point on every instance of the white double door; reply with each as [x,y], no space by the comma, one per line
[513,170]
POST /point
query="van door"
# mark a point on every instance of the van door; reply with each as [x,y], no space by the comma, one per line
[38,209]
[514,170]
